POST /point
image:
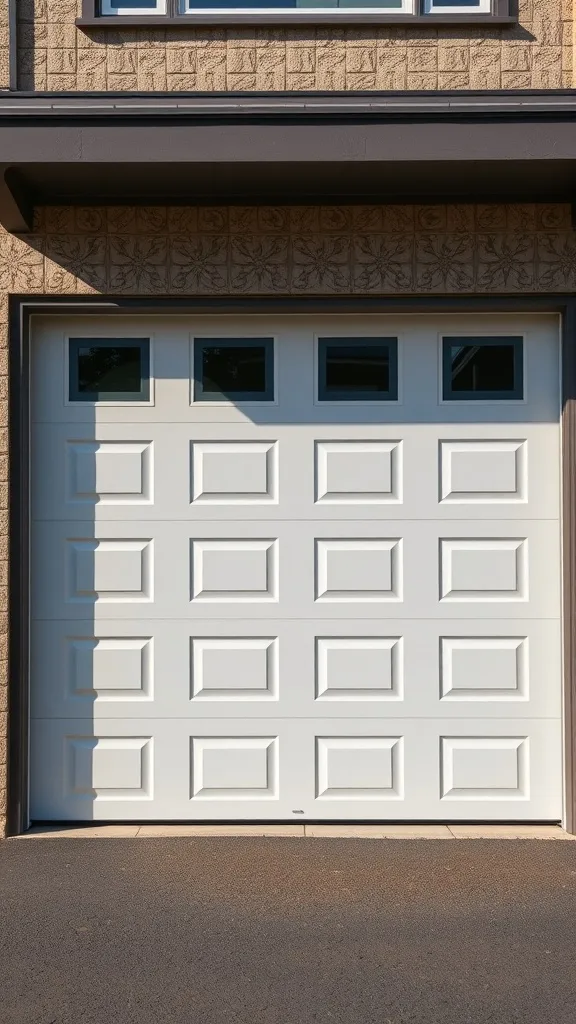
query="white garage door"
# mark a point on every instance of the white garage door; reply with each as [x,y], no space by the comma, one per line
[296,568]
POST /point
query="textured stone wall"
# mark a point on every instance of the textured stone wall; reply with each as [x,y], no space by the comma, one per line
[4,46]
[337,250]
[55,55]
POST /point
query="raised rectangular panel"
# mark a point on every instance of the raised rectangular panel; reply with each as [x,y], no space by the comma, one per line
[484,767]
[358,570]
[112,768]
[358,668]
[483,570]
[359,767]
[483,471]
[109,570]
[110,668]
[234,767]
[109,472]
[234,570]
[358,472]
[234,668]
[234,472]
[484,668]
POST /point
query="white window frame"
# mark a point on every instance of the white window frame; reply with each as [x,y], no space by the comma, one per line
[110,11]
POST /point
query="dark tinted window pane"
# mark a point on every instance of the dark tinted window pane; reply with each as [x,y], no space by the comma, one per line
[483,368]
[115,370]
[230,370]
[241,369]
[357,370]
[105,368]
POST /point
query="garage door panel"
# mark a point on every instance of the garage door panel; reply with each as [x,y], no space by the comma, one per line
[294,668]
[464,569]
[429,669]
[377,473]
[218,769]
[326,770]
[487,472]
[419,369]
[504,767]
[475,769]
[172,670]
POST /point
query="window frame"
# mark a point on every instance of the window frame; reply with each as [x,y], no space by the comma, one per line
[516,395]
[75,397]
[433,10]
[405,7]
[108,11]
[345,341]
[200,397]
[488,11]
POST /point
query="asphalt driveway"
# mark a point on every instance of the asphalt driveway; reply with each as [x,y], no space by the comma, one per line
[287,931]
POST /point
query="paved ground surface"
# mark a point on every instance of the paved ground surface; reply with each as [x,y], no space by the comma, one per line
[382,830]
[285,931]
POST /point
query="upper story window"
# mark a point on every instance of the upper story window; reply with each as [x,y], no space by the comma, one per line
[186,11]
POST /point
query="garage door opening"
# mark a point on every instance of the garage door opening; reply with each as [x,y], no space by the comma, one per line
[296,568]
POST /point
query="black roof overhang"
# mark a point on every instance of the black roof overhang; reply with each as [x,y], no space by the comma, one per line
[284,148]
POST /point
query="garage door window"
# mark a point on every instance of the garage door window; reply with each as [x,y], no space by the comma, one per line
[358,369]
[482,369]
[109,369]
[234,369]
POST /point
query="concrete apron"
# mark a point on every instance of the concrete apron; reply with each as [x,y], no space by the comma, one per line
[381,831]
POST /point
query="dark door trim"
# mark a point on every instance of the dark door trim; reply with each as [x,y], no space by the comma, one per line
[22,310]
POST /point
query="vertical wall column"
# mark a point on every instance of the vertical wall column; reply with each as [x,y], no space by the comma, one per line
[7,44]
[569,555]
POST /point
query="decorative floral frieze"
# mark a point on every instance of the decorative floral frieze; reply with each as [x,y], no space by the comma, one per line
[556,260]
[199,264]
[259,264]
[506,262]
[445,263]
[321,264]
[313,250]
[384,263]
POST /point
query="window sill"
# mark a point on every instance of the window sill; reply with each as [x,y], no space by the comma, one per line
[333,16]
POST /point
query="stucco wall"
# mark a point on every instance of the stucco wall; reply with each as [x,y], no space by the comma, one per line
[4,46]
[372,250]
[55,55]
